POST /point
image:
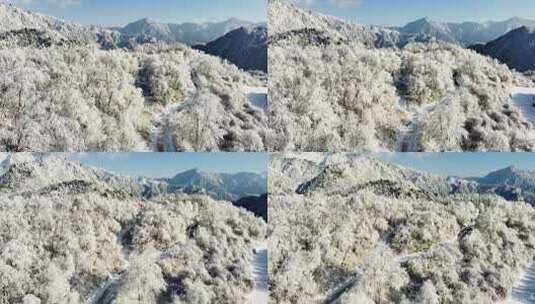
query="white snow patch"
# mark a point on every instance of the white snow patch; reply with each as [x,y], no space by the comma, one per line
[161,138]
[524,99]
[407,140]
[259,266]
[257,97]
[524,289]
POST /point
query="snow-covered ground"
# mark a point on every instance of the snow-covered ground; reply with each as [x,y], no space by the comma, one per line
[161,136]
[107,293]
[524,289]
[407,136]
[257,97]
[259,267]
[524,99]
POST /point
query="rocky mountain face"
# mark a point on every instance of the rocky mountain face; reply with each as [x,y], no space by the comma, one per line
[245,47]
[516,49]
[187,33]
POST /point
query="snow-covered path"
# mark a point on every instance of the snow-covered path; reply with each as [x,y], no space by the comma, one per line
[524,99]
[161,138]
[259,267]
[257,97]
[407,140]
[107,293]
[524,290]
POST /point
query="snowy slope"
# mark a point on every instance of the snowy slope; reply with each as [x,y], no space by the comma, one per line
[524,99]
[524,289]
[259,266]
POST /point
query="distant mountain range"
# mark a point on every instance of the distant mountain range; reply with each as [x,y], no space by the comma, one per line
[218,185]
[368,173]
[292,19]
[241,42]
[466,33]
[187,33]
[30,173]
[245,47]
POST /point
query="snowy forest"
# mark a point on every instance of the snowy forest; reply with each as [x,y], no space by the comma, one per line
[356,229]
[342,86]
[70,233]
[68,87]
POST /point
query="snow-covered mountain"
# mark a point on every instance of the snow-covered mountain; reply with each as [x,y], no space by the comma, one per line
[27,172]
[17,26]
[512,183]
[354,87]
[516,49]
[362,228]
[245,47]
[285,18]
[85,235]
[466,33]
[154,92]
[219,185]
[289,17]
[188,33]
[359,172]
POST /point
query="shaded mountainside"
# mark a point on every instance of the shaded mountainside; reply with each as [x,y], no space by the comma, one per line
[516,49]
[245,47]
[256,204]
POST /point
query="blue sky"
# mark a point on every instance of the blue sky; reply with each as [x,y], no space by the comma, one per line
[461,164]
[169,164]
[121,12]
[400,12]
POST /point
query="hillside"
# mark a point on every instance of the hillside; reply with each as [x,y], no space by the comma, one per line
[245,47]
[373,232]
[87,95]
[346,91]
[515,49]
[80,235]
